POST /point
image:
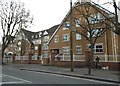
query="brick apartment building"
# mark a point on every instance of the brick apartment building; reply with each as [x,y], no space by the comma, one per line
[30,47]
[54,43]
[107,46]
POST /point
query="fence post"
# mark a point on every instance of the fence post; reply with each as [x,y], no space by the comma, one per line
[63,57]
[73,57]
[106,58]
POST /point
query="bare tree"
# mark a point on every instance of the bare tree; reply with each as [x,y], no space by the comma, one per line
[13,16]
[92,24]
[115,22]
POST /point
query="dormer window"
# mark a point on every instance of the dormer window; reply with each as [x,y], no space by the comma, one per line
[77,21]
[66,25]
[32,36]
[56,39]
[36,36]
[40,33]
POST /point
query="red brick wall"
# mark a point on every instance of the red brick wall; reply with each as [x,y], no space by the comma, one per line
[111,65]
[67,63]
[27,62]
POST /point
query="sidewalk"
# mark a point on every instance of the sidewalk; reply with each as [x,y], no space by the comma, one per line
[96,74]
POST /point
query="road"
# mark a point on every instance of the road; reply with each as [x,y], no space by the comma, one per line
[16,76]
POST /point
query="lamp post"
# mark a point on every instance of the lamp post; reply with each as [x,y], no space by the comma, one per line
[71,48]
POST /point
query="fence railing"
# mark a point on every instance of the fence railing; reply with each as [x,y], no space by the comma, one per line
[26,58]
[103,58]
[21,57]
[67,57]
[7,59]
[108,58]
[36,57]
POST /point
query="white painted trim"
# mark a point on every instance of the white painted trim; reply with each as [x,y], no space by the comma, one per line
[17,78]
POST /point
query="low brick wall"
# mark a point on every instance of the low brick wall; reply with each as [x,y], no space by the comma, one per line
[111,65]
[27,62]
[68,64]
[21,62]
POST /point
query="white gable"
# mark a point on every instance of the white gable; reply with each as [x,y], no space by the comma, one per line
[45,33]
[40,33]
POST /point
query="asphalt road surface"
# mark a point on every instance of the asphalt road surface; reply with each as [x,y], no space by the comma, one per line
[16,76]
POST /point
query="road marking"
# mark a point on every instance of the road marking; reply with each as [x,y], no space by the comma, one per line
[17,78]
[86,79]
[12,82]
[103,82]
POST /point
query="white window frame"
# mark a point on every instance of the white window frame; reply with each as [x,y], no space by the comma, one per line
[68,37]
[79,51]
[36,47]
[94,35]
[78,37]
[77,23]
[96,48]
[45,46]
[46,38]
[66,50]
[32,36]
[45,54]
[66,27]
[56,39]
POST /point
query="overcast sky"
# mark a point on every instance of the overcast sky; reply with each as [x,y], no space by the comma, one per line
[48,13]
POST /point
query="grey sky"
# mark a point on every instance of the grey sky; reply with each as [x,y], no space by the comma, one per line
[48,13]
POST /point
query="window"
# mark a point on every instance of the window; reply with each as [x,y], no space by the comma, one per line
[19,48]
[98,48]
[95,32]
[77,21]
[36,47]
[32,36]
[45,54]
[95,18]
[46,38]
[99,16]
[78,50]
[66,25]
[66,37]
[56,39]
[45,46]
[91,19]
[36,36]
[66,50]
[36,41]
[78,36]
[40,33]
[19,43]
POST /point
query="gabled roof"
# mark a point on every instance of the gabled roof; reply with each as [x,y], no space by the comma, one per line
[78,4]
[50,30]
[32,35]
[29,34]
